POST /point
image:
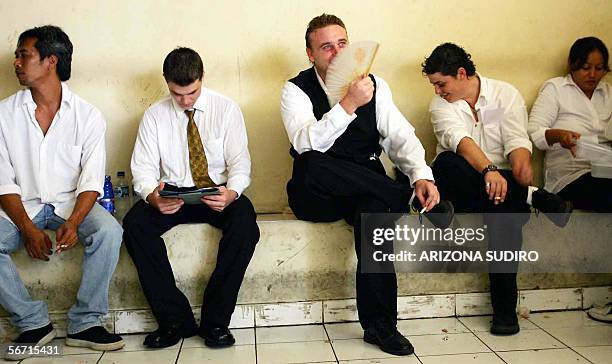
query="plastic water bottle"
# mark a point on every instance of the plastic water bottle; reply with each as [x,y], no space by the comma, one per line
[108,198]
[122,196]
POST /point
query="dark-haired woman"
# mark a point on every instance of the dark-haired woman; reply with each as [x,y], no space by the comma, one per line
[577,106]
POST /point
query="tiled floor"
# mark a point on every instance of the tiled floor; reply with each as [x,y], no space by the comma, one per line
[555,337]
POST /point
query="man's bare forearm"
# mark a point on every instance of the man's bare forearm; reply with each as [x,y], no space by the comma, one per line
[84,202]
[13,206]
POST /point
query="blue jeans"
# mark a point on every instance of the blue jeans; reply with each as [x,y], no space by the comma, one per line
[100,234]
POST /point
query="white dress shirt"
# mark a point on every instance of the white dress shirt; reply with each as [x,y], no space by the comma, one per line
[397,136]
[161,152]
[561,104]
[53,168]
[502,125]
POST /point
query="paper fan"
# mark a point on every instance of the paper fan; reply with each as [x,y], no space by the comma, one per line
[352,63]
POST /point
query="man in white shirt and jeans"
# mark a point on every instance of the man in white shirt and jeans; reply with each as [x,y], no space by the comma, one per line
[193,138]
[52,158]
[484,163]
[337,173]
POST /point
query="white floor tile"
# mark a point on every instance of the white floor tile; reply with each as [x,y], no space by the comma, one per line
[297,352]
[447,325]
[395,360]
[140,357]
[465,343]
[551,356]
[242,336]
[583,336]
[134,343]
[349,330]
[549,320]
[478,358]
[596,354]
[243,354]
[353,349]
[524,340]
[483,323]
[68,359]
[287,334]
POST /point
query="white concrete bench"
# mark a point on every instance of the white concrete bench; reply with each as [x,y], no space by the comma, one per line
[301,273]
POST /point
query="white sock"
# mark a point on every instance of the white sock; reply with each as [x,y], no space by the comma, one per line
[530,191]
[412,198]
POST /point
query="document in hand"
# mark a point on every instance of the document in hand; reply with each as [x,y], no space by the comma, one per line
[191,197]
[352,63]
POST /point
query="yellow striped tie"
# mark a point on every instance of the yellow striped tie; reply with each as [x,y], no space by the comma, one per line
[197,157]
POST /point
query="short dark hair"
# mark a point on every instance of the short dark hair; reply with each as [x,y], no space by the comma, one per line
[183,66]
[447,58]
[580,50]
[322,21]
[51,41]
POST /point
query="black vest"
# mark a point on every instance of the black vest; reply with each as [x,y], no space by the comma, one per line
[360,141]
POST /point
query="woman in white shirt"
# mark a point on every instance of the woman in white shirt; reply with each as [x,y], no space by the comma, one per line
[577,106]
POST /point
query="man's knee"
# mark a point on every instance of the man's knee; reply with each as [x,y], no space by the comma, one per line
[448,160]
[242,210]
[111,234]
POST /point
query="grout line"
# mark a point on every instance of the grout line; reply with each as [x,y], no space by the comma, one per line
[329,339]
[569,347]
[179,351]
[255,340]
[473,332]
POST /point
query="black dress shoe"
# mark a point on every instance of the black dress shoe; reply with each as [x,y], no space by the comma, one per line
[169,335]
[388,339]
[441,215]
[553,206]
[217,337]
[504,326]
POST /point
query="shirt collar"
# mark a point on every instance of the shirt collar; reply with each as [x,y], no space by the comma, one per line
[198,105]
[569,81]
[320,80]
[67,96]
[484,89]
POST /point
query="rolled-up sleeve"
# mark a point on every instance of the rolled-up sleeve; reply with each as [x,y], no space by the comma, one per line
[543,115]
[146,158]
[8,183]
[236,151]
[305,132]
[514,126]
[448,126]
[398,138]
[93,156]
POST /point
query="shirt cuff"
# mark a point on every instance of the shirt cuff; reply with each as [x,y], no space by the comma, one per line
[10,189]
[539,139]
[89,186]
[511,147]
[421,173]
[339,118]
[456,139]
[238,184]
[145,191]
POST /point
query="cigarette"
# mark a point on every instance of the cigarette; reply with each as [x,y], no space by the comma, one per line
[63,246]
[423,210]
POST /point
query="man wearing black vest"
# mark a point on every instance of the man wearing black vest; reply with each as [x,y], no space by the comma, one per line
[337,173]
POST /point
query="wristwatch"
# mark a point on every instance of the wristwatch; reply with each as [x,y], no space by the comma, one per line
[489,168]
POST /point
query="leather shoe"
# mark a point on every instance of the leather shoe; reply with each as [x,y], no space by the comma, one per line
[169,335]
[504,325]
[217,337]
[388,339]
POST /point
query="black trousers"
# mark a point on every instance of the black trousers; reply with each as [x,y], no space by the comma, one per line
[143,226]
[589,193]
[458,182]
[324,189]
